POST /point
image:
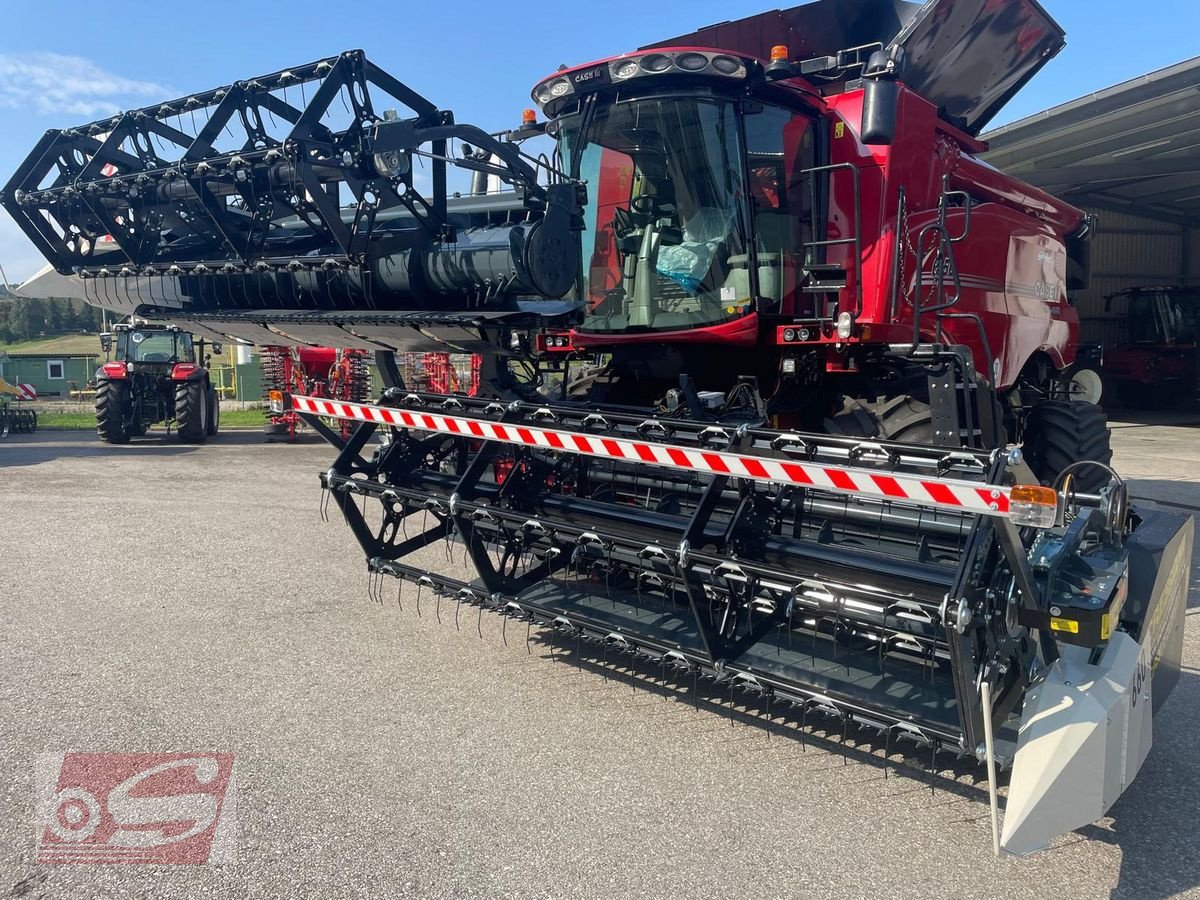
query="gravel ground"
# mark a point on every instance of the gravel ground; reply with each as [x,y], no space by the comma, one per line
[159,597]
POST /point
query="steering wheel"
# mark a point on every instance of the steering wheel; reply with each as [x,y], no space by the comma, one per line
[643,204]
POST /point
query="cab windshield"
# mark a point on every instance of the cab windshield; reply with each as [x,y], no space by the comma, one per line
[154,346]
[664,246]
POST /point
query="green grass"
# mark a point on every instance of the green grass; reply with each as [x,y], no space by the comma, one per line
[241,418]
[86,421]
[72,421]
[63,345]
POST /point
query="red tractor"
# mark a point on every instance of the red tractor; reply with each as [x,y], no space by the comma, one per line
[1156,365]
[318,371]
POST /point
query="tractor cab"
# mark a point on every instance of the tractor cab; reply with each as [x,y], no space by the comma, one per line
[149,345]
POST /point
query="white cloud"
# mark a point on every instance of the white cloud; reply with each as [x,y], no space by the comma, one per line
[55,84]
[18,257]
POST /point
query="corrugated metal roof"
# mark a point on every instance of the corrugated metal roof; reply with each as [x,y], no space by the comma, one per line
[1133,147]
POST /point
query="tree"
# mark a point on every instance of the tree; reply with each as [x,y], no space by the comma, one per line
[28,319]
[54,317]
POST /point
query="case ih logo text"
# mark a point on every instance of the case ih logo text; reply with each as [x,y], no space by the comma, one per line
[152,808]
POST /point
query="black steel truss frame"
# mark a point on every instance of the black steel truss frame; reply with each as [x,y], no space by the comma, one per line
[176,203]
[463,506]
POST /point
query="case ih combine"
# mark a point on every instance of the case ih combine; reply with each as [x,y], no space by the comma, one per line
[1158,363]
[823,453]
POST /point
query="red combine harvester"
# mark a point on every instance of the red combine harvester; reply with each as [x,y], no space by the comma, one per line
[1158,363]
[315,371]
[772,381]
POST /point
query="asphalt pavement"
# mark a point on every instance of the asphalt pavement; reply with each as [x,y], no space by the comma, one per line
[166,598]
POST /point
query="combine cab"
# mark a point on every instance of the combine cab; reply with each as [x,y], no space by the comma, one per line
[772,380]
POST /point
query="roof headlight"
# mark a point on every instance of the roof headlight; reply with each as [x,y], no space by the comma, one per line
[691,62]
[559,87]
[727,65]
[625,68]
[656,62]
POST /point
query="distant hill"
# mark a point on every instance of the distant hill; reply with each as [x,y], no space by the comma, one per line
[63,345]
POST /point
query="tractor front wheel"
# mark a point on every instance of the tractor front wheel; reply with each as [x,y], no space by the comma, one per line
[1061,432]
[112,410]
[191,415]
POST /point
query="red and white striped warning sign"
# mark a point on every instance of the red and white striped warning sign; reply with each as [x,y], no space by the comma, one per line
[28,392]
[941,493]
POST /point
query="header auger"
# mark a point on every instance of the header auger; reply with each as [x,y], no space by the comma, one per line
[773,374]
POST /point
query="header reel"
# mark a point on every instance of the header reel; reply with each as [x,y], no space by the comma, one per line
[296,190]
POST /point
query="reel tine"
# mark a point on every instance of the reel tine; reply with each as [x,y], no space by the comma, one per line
[933,748]
[528,629]
[438,607]
[887,751]
[457,608]
[479,623]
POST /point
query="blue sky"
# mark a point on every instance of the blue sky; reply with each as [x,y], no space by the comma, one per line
[62,66]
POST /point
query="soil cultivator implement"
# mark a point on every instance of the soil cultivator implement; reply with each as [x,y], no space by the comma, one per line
[316,371]
[756,372]
[14,418]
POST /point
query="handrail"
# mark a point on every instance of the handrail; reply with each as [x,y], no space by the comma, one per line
[856,238]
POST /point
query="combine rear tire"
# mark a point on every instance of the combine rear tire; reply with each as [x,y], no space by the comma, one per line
[214,412]
[191,417]
[112,407]
[902,418]
[1060,432]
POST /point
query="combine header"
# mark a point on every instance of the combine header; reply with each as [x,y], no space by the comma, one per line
[773,374]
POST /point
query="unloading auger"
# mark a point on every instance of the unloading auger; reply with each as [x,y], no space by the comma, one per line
[774,374]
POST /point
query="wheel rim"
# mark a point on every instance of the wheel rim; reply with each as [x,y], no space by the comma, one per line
[1086,386]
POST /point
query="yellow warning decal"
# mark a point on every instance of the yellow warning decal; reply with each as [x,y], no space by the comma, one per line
[1064,625]
[839,130]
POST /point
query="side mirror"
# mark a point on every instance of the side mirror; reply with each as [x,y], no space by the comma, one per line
[881,99]
[218,348]
[106,341]
[880,102]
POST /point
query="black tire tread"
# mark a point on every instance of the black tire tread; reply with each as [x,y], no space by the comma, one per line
[1060,432]
[112,397]
[190,426]
[213,424]
[902,418]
